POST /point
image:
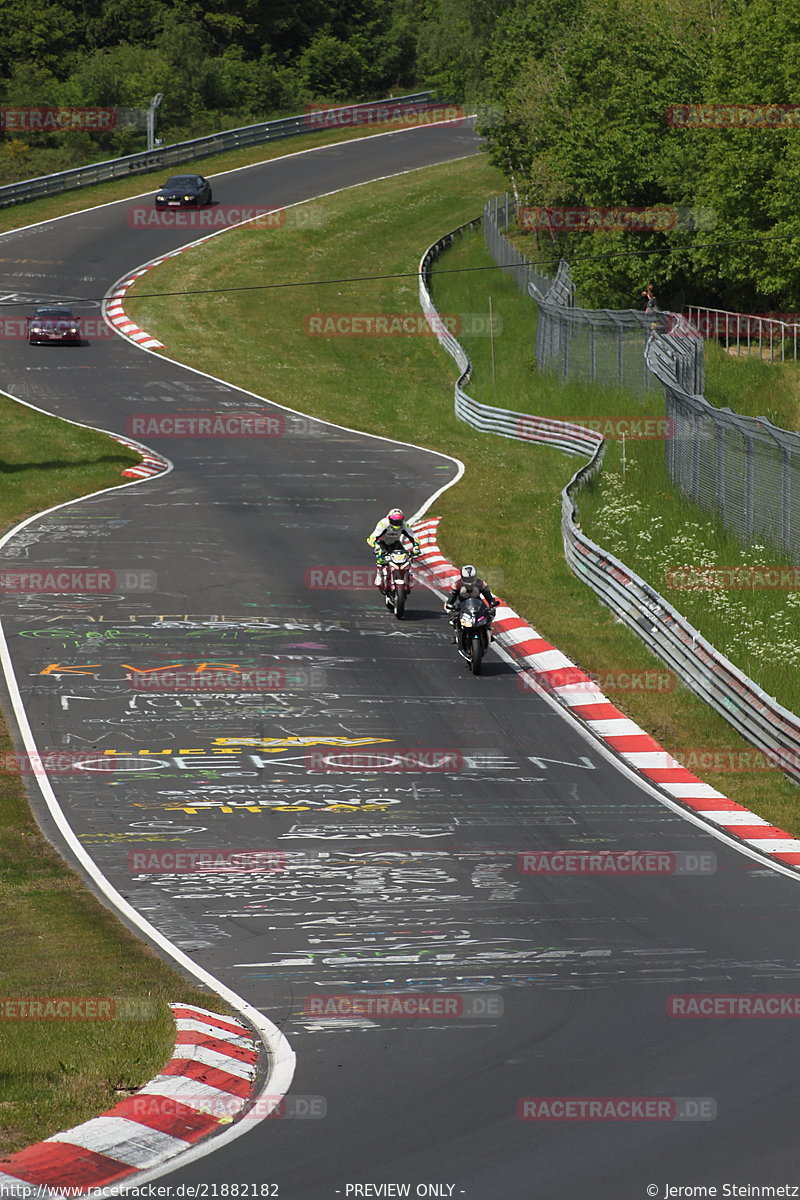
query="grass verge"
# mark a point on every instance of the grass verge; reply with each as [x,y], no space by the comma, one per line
[402,387]
[752,386]
[58,940]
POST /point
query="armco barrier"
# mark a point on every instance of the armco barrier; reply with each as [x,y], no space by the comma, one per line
[757,716]
[203,147]
[565,436]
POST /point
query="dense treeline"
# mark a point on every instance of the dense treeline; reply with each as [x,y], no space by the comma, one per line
[575,96]
[218,65]
[582,89]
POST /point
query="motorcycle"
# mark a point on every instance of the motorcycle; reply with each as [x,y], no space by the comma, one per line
[473,631]
[394,576]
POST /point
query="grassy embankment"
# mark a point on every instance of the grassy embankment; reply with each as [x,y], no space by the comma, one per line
[403,387]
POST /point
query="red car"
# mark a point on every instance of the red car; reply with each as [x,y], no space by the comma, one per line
[54,324]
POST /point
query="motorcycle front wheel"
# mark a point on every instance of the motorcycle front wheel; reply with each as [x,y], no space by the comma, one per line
[475,655]
[399,601]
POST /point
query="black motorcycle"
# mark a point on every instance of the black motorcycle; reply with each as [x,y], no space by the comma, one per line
[473,626]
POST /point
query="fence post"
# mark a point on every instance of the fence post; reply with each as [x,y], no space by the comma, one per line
[720,490]
[786,492]
[748,485]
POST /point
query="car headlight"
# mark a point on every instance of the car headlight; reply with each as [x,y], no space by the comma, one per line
[189,197]
[162,198]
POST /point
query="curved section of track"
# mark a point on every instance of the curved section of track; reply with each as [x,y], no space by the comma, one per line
[394,884]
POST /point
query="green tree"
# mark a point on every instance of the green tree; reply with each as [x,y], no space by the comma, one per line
[332,69]
[751,178]
[583,122]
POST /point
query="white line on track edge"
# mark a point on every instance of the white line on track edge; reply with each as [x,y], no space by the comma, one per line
[282,1057]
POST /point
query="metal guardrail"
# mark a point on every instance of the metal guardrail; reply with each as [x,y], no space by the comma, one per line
[526,427]
[711,676]
[204,147]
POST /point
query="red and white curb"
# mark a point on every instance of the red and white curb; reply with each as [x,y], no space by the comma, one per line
[551,671]
[206,1084]
[115,313]
[150,465]
[114,309]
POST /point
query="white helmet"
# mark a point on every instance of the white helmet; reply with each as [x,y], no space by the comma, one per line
[469,574]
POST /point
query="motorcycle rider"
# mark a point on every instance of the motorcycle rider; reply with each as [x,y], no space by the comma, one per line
[467,585]
[391,532]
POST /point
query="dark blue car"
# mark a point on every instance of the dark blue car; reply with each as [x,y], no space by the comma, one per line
[184,191]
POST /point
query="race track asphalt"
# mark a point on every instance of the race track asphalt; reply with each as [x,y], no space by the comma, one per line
[388,882]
